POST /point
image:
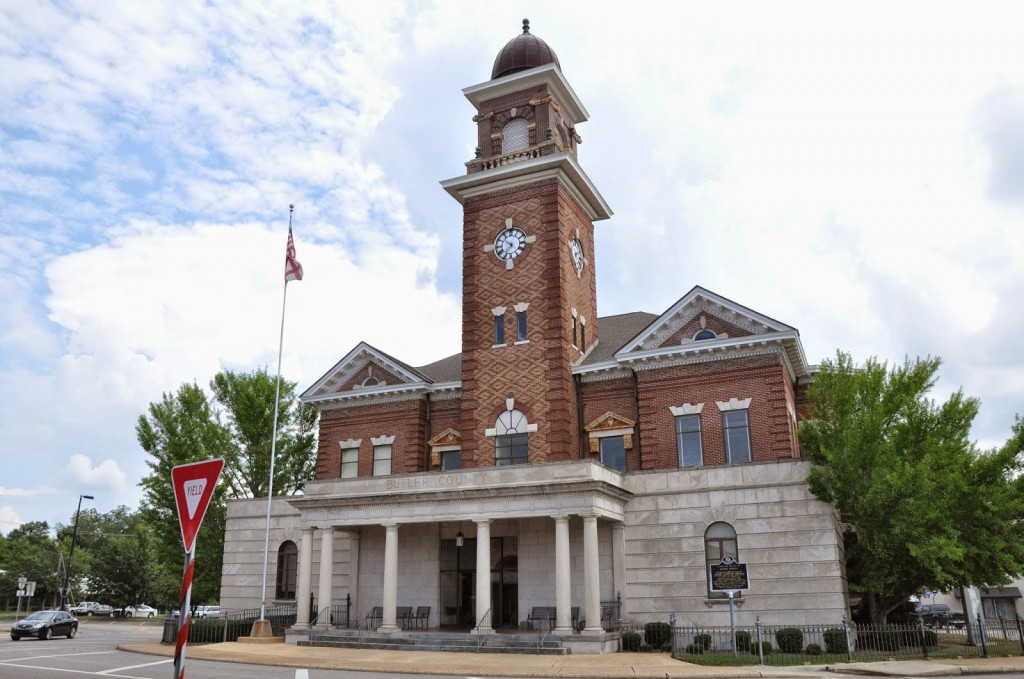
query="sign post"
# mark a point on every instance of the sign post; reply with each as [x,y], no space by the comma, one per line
[730,576]
[193,489]
[25,588]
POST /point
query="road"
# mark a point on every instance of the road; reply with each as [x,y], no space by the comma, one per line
[94,653]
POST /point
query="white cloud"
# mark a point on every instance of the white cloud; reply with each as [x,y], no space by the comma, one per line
[849,171]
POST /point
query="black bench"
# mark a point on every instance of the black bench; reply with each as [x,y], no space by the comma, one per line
[541,616]
[422,616]
[375,617]
[403,616]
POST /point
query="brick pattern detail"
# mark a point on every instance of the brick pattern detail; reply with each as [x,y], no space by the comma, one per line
[536,373]
[717,325]
[544,115]
[381,373]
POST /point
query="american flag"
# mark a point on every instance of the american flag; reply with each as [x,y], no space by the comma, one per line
[292,268]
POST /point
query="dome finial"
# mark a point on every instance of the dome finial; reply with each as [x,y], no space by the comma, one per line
[526,26]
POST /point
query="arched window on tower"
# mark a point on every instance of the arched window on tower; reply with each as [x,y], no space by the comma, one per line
[515,136]
[287,570]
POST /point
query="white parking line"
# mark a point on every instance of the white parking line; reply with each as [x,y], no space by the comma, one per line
[301,674]
[132,667]
[57,655]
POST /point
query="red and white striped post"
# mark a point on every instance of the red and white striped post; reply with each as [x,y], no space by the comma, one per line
[184,614]
[193,489]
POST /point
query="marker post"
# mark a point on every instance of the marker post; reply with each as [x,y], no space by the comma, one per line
[193,489]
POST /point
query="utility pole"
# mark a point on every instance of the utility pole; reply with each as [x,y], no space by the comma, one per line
[71,555]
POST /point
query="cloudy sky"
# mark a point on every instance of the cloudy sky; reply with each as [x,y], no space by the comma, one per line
[855,170]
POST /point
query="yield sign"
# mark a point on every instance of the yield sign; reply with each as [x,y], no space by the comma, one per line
[193,490]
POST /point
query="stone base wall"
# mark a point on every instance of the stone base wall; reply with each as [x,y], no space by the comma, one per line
[791,543]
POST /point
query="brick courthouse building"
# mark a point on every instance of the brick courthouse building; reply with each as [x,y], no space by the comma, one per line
[561,459]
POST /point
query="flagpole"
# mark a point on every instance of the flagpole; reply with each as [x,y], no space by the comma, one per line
[273,441]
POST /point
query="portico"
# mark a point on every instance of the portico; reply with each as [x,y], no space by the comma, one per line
[564,500]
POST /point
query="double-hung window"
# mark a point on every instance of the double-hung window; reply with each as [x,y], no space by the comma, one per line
[451,459]
[349,463]
[613,452]
[382,460]
[688,441]
[737,436]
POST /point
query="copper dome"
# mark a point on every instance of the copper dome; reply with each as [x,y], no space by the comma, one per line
[523,52]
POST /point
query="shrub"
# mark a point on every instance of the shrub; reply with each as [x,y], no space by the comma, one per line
[646,648]
[667,647]
[657,634]
[835,640]
[789,640]
[766,648]
[702,640]
[813,649]
[743,641]
[631,641]
[694,649]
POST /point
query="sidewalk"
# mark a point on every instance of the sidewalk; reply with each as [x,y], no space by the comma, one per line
[606,666]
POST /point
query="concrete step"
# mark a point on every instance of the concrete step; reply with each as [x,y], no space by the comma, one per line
[441,642]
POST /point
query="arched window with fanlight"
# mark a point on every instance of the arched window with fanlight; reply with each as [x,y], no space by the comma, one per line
[287,570]
[719,542]
[511,435]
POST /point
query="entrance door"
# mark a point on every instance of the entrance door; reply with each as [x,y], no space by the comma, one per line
[458,583]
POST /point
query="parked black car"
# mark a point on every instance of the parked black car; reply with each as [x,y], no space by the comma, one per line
[45,625]
[940,615]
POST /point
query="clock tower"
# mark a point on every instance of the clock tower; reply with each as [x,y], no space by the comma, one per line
[529,308]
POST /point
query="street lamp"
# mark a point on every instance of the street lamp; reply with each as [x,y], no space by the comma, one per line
[71,555]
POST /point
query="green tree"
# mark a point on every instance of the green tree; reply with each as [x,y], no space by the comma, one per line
[237,424]
[182,428]
[248,403]
[31,553]
[123,567]
[927,509]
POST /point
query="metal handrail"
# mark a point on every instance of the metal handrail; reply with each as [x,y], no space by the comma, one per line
[482,637]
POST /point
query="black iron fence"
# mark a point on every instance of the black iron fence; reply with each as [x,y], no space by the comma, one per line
[819,644]
[230,625]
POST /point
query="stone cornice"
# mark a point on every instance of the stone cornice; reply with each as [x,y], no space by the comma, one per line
[560,166]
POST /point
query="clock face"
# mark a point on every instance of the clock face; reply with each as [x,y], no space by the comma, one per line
[510,243]
[576,250]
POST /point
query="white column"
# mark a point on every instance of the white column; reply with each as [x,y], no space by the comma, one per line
[304,584]
[563,581]
[353,577]
[483,577]
[591,576]
[323,599]
[619,562]
[390,620]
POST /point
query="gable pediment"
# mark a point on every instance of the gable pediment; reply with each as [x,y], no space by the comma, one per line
[449,437]
[610,421]
[702,316]
[364,370]
[703,326]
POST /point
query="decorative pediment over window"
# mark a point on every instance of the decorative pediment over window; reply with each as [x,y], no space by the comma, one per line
[449,439]
[610,424]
